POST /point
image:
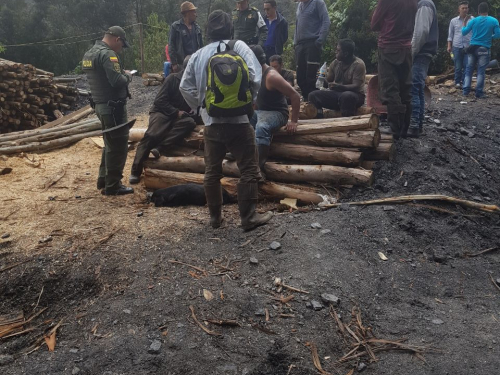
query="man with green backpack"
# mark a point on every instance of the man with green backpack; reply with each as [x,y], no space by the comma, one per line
[222,79]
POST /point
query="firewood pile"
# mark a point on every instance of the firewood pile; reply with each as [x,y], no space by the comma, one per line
[151,79]
[31,97]
[56,134]
[323,152]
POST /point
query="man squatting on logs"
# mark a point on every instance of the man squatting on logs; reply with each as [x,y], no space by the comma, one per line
[169,122]
[232,133]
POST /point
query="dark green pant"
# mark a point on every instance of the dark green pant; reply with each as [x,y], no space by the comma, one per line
[114,153]
[162,131]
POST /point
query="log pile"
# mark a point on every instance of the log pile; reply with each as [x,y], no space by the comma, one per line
[308,112]
[151,79]
[45,139]
[29,96]
[323,152]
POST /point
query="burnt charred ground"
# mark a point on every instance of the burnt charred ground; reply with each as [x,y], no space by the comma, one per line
[108,273]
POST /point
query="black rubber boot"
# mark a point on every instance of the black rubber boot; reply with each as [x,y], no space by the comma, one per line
[156,153]
[263,155]
[133,179]
[413,132]
[101,183]
[214,202]
[393,120]
[122,190]
[405,120]
[247,203]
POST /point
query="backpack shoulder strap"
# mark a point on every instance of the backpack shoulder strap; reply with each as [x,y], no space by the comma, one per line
[231,44]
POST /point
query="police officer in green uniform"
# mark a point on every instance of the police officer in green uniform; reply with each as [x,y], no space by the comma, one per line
[248,24]
[109,88]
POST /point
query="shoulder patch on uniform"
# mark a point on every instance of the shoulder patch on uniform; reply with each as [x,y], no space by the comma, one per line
[116,67]
[114,58]
[87,63]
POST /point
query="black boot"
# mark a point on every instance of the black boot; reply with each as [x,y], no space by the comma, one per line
[213,193]
[101,183]
[247,203]
[122,190]
[406,118]
[393,120]
[263,155]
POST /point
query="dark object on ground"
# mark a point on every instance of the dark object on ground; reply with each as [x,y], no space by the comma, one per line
[184,195]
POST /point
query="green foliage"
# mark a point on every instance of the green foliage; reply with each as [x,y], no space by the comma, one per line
[351,19]
[2,49]
[155,40]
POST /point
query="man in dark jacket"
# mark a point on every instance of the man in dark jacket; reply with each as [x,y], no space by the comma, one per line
[424,46]
[185,36]
[169,123]
[277,30]
[394,20]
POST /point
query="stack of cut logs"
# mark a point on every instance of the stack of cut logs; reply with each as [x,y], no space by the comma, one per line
[151,79]
[30,97]
[323,152]
[59,133]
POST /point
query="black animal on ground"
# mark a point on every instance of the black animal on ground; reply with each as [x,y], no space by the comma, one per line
[183,195]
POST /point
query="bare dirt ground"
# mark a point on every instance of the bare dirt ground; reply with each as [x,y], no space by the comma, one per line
[106,267]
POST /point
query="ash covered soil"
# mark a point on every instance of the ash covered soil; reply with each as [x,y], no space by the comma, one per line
[110,269]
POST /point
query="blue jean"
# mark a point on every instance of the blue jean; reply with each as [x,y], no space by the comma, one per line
[420,68]
[266,123]
[481,56]
[460,60]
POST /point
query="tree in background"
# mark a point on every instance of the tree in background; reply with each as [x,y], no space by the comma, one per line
[155,39]
[76,24]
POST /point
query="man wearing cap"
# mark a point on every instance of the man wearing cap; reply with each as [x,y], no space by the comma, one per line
[109,88]
[185,36]
[169,122]
[232,133]
[248,24]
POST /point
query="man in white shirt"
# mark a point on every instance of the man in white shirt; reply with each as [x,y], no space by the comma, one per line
[232,133]
[458,43]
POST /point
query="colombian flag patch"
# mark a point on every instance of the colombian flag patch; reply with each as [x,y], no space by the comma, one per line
[114,58]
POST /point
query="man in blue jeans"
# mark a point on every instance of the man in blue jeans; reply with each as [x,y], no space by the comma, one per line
[484,28]
[272,108]
[423,47]
[458,43]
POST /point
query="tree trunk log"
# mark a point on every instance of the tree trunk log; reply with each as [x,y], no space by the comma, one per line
[328,113]
[344,124]
[157,77]
[325,174]
[157,179]
[356,139]
[71,118]
[316,155]
[49,145]
[53,135]
[384,151]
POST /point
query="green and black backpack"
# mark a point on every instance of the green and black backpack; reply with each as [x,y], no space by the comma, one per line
[228,85]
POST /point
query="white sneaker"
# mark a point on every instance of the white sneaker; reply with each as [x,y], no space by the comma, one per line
[458,85]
